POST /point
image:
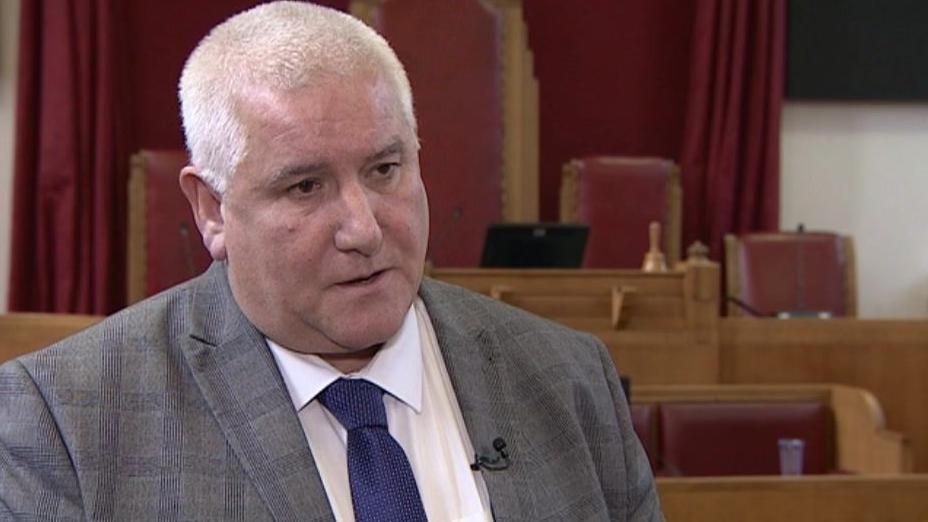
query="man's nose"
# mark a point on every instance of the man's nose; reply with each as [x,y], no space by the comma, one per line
[358,228]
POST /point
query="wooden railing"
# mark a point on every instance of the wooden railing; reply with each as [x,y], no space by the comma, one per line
[631,311]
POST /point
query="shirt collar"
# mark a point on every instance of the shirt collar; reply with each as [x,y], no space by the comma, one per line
[396,368]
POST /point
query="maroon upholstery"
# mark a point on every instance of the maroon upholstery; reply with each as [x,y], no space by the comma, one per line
[619,197]
[174,251]
[741,438]
[789,271]
[644,420]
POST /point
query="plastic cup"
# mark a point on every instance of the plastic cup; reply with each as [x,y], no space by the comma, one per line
[791,451]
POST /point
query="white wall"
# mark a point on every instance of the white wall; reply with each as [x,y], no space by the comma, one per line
[862,169]
[9,33]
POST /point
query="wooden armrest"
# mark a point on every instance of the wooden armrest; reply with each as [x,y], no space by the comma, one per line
[864,443]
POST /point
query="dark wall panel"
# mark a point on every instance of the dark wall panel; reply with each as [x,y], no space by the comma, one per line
[858,50]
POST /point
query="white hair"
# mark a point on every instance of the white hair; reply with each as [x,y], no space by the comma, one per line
[280,45]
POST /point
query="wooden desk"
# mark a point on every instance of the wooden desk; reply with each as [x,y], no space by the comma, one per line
[675,312]
[813,498]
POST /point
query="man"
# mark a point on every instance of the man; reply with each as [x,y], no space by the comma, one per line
[311,373]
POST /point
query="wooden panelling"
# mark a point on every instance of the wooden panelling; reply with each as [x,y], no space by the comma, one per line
[667,329]
[27,332]
[889,358]
[656,357]
[822,498]
[670,333]
[540,281]
[687,297]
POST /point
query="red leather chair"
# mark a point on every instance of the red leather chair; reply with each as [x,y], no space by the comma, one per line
[619,197]
[791,272]
[644,420]
[705,439]
[164,246]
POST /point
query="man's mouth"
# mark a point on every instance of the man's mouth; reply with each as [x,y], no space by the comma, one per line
[361,281]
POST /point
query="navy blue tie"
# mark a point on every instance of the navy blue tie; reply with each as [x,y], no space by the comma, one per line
[383,487]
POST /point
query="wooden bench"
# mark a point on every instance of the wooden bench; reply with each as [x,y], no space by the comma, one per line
[860,442]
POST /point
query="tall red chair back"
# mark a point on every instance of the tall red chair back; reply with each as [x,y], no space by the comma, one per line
[791,272]
[164,246]
[619,197]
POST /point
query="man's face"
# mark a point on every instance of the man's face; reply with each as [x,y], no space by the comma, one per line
[325,222]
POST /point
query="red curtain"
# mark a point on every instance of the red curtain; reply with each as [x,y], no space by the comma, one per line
[731,140]
[83,106]
[68,239]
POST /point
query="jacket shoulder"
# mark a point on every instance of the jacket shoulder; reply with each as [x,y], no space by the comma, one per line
[140,330]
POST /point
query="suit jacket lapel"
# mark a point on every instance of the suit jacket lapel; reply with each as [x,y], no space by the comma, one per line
[472,356]
[238,377]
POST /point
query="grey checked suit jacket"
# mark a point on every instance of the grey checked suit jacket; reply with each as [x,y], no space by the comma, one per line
[173,409]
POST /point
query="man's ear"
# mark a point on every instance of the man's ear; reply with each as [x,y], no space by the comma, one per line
[207,210]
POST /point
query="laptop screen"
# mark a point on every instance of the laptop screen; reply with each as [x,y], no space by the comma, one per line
[534,245]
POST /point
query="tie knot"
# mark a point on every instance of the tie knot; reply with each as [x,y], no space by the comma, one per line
[356,403]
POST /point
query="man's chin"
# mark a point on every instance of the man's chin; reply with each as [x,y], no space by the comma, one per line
[360,324]
[363,335]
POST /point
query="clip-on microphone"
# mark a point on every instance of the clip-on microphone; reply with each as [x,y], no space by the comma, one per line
[498,463]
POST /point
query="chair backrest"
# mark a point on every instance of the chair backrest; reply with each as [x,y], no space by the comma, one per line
[21,333]
[791,271]
[644,421]
[164,246]
[619,197]
[701,439]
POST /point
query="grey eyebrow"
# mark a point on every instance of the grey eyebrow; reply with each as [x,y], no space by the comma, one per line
[295,171]
[396,147]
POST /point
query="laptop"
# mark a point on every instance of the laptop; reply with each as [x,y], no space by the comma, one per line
[534,245]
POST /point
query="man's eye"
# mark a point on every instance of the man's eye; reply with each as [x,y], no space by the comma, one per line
[385,169]
[305,186]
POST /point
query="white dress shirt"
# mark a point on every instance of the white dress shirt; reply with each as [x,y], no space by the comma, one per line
[422,414]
